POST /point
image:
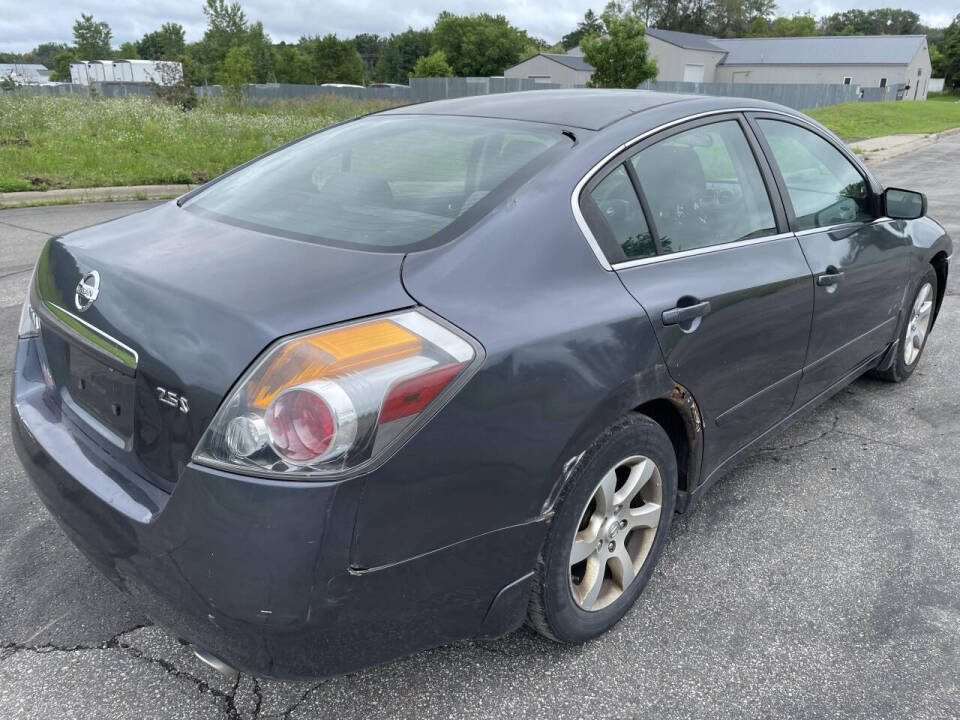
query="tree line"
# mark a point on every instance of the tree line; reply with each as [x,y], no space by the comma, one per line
[235,49]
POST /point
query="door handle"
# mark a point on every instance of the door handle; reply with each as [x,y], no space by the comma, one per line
[680,315]
[829,278]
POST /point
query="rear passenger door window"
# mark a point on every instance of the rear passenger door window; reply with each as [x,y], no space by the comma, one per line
[616,202]
[703,187]
[824,187]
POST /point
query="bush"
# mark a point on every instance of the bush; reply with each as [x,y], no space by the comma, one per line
[175,86]
[433,65]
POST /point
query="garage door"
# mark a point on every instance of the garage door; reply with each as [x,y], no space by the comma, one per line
[693,73]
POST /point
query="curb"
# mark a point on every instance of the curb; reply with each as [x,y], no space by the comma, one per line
[87,195]
[879,156]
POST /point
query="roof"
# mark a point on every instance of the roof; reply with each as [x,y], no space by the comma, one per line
[823,50]
[689,41]
[574,62]
[21,66]
[588,109]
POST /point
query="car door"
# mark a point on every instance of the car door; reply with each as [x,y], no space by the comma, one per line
[859,259]
[702,247]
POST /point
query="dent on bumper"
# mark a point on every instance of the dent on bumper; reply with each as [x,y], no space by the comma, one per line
[257,571]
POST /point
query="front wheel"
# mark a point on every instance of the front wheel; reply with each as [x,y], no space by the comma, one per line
[611,522]
[915,330]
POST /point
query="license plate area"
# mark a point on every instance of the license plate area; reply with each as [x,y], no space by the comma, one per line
[102,392]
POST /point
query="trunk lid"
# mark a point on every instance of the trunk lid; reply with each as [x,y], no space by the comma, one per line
[190,302]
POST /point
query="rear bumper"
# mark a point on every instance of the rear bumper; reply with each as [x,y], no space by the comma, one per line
[258,572]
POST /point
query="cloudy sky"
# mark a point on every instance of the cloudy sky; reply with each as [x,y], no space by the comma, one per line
[25,23]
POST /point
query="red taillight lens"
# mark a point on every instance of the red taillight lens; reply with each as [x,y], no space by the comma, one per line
[310,422]
[332,400]
[300,425]
[412,396]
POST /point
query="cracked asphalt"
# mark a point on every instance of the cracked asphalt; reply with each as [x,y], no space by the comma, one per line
[819,578]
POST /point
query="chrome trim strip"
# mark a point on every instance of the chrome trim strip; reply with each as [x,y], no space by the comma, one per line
[841,226]
[575,196]
[700,251]
[91,335]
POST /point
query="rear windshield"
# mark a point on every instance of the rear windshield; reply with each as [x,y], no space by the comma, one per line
[383,183]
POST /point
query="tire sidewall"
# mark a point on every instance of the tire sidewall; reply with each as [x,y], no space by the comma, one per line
[903,370]
[638,435]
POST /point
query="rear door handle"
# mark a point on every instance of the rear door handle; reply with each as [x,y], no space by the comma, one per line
[680,315]
[829,278]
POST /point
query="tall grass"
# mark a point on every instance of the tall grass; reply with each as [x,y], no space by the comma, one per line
[78,141]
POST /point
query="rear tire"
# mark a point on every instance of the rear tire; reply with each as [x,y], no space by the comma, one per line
[611,521]
[914,330]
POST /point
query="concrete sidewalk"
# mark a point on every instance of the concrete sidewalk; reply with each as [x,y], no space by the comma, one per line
[84,195]
[883,148]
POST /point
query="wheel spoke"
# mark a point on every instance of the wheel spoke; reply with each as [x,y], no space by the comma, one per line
[582,549]
[621,566]
[645,516]
[606,491]
[924,310]
[639,475]
[592,582]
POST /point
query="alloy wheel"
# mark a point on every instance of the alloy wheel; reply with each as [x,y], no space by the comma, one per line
[918,325]
[616,531]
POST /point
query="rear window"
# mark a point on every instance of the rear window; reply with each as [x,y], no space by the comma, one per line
[383,183]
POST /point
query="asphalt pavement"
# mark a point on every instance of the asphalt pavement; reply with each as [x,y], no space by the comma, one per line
[819,578]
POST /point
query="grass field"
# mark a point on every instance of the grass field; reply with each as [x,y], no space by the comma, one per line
[856,121]
[74,141]
[63,142]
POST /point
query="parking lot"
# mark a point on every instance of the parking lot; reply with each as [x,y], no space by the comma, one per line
[819,578]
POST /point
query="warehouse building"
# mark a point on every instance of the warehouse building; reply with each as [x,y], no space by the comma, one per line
[882,61]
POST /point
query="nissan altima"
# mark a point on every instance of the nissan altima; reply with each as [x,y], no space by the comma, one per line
[437,371]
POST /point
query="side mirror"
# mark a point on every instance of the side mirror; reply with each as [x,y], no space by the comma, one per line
[904,204]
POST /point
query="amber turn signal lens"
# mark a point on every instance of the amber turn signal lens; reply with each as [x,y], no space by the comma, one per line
[338,351]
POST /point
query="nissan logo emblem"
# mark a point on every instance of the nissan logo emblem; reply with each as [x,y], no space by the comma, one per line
[88,289]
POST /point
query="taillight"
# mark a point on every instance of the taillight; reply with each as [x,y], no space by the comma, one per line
[326,402]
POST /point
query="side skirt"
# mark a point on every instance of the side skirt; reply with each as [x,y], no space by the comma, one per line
[797,414]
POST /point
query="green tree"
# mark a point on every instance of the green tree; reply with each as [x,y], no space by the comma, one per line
[92,39]
[478,45]
[399,53]
[433,65]
[260,50]
[620,55]
[368,45]
[333,60]
[127,51]
[884,21]
[61,66]
[938,62]
[226,28]
[799,25]
[950,49]
[733,18]
[45,53]
[236,73]
[292,65]
[590,25]
[166,43]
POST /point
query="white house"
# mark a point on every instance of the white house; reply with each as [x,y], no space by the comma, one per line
[570,69]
